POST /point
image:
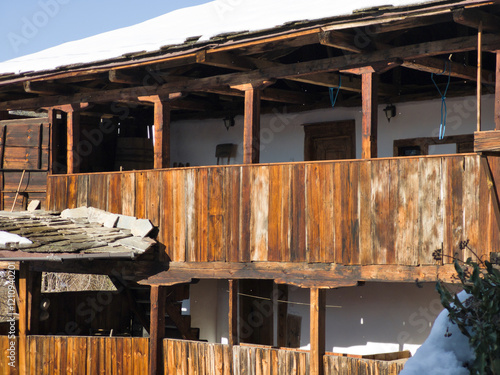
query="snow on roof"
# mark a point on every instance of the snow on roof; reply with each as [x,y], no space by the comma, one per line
[206,20]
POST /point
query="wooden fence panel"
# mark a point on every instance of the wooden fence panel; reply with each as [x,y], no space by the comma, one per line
[387,211]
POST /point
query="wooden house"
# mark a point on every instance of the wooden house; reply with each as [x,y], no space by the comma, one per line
[297,160]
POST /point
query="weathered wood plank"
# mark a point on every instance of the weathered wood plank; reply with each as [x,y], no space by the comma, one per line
[128,194]
[259,207]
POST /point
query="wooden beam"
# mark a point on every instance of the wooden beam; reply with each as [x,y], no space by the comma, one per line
[317,330]
[24,312]
[421,50]
[162,135]
[179,321]
[473,17]
[304,275]
[233,313]
[269,94]
[157,330]
[437,66]
[225,60]
[497,92]
[118,76]
[370,116]
[47,88]
[339,40]
[73,138]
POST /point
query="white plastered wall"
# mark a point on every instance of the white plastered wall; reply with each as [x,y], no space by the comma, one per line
[282,134]
[369,319]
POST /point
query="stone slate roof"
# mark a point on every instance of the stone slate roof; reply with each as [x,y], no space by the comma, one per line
[78,231]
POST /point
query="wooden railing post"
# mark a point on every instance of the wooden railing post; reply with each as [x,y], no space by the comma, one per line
[370,115]
[317,312]
[157,330]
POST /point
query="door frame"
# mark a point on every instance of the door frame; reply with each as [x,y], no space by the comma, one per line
[328,129]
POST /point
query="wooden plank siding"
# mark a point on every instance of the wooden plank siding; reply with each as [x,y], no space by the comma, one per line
[395,211]
[24,146]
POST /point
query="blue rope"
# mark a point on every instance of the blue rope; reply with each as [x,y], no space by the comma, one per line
[444,110]
[332,98]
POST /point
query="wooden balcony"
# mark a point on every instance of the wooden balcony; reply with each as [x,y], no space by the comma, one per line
[393,212]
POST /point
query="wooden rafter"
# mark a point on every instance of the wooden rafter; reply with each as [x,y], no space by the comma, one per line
[416,51]
[47,88]
[435,65]
[339,40]
[473,17]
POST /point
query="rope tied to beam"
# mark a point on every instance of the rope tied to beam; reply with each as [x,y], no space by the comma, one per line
[333,98]
[444,110]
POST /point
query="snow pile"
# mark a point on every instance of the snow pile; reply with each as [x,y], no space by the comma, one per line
[442,353]
[11,238]
[206,20]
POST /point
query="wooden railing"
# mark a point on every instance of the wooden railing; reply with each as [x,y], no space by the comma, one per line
[367,212]
[80,355]
[126,355]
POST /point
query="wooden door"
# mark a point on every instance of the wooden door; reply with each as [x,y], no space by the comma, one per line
[330,141]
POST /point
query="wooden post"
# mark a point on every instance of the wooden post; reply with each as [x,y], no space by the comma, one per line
[162,134]
[54,131]
[370,115]
[282,315]
[73,137]
[233,313]
[317,311]
[479,69]
[251,132]
[157,330]
[497,93]
[24,316]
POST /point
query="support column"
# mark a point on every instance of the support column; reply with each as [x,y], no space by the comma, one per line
[54,131]
[162,134]
[233,313]
[251,132]
[282,315]
[317,334]
[497,93]
[73,137]
[370,115]
[479,73]
[157,330]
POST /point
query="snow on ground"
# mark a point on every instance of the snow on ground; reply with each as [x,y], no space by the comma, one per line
[442,354]
[6,238]
[206,20]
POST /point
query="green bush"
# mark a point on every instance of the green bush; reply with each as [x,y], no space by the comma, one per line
[478,317]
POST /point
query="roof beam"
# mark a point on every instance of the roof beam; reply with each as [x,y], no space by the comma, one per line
[46,88]
[473,17]
[339,40]
[438,66]
[416,51]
